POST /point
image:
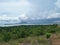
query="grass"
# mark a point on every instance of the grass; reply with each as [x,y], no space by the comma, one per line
[37,40]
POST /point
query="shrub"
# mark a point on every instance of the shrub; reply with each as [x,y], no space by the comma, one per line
[52,31]
[6,37]
[48,35]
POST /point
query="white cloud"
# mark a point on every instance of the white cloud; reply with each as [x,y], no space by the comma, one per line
[17,18]
[23,17]
[14,4]
[54,15]
[21,6]
[12,19]
[7,17]
[58,3]
[17,11]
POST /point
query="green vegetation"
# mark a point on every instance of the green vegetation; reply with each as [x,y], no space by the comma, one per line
[48,35]
[20,33]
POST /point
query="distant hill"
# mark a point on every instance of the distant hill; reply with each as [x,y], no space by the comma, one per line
[29,21]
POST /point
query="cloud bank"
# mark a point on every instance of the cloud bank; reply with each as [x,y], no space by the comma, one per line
[18,10]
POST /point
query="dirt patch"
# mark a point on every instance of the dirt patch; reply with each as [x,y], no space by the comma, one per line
[55,40]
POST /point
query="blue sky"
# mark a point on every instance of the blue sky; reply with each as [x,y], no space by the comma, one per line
[18,10]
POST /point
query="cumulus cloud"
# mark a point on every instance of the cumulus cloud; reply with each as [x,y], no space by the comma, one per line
[54,15]
[13,17]
[14,11]
[16,7]
[7,17]
[58,3]
[14,4]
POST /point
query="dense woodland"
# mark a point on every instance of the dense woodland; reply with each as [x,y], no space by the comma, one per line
[23,31]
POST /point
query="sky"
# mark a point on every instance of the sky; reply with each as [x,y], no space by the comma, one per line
[15,11]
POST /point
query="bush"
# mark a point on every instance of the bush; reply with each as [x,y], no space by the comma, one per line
[52,31]
[6,37]
[48,35]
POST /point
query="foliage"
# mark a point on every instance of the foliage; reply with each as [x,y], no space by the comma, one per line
[16,32]
[48,35]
